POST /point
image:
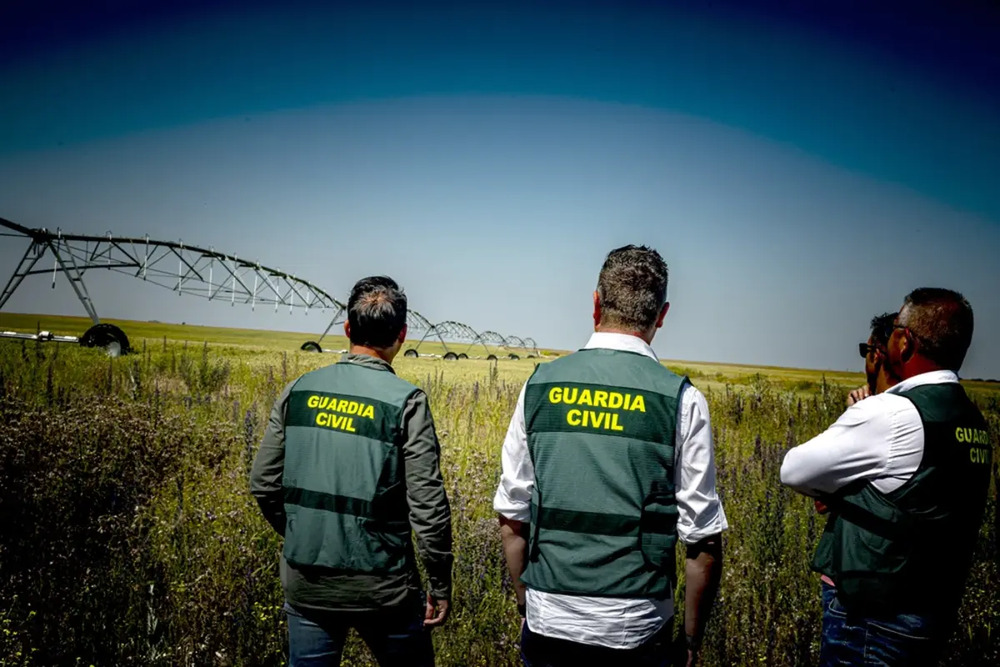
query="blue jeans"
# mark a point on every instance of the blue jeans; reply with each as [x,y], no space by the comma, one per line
[395,636]
[905,639]
[541,651]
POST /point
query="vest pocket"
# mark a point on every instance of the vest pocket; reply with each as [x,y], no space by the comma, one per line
[387,542]
[658,527]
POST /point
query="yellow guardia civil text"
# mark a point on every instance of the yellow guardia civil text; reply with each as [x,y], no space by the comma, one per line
[613,402]
[339,413]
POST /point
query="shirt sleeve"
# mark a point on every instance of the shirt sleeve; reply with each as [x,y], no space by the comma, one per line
[269,465]
[860,445]
[517,477]
[700,512]
[430,512]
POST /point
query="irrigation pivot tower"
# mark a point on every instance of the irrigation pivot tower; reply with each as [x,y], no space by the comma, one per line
[178,267]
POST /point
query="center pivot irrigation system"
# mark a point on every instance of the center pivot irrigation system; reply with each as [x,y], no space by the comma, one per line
[205,273]
[461,337]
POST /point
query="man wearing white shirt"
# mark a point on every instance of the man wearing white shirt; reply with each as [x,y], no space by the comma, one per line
[905,474]
[608,460]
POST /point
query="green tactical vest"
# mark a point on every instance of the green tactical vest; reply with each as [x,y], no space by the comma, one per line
[345,497]
[600,426]
[910,550]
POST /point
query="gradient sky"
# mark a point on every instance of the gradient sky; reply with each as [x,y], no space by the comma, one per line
[800,170]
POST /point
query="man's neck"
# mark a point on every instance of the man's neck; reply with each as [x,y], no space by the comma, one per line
[371,352]
[884,381]
[918,366]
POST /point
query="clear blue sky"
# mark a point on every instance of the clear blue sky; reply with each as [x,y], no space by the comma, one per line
[800,170]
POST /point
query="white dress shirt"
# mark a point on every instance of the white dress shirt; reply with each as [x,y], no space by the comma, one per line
[880,439]
[621,623]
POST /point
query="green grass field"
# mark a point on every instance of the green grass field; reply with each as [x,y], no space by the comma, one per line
[128,536]
[139,332]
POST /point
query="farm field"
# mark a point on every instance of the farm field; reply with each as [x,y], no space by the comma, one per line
[192,333]
[128,535]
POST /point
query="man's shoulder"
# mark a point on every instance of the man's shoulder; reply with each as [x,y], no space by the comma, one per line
[595,355]
[691,394]
[351,378]
[884,407]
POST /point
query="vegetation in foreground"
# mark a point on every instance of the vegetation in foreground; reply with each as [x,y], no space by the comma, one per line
[128,537]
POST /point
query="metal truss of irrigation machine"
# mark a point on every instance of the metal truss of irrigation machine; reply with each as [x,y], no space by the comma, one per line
[216,276]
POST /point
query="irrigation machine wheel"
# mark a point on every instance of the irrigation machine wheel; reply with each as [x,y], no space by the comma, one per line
[463,355]
[450,356]
[513,356]
[311,346]
[111,338]
[411,353]
[491,357]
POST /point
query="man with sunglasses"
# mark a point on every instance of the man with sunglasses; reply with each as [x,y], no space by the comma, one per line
[905,474]
[874,353]
[877,380]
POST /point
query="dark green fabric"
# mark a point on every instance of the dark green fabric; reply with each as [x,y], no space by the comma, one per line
[909,551]
[332,589]
[600,426]
[342,456]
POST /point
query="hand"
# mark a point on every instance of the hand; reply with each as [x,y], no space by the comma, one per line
[436,612]
[820,506]
[682,654]
[857,395]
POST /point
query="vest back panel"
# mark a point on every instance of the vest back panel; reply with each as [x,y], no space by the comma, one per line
[345,496]
[600,426]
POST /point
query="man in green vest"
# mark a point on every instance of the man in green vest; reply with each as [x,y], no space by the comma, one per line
[905,474]
[349,464]
[608,460]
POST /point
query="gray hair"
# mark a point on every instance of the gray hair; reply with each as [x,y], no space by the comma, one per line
[632,288]
[942,322]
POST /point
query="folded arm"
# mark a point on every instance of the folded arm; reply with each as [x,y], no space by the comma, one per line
[856,447]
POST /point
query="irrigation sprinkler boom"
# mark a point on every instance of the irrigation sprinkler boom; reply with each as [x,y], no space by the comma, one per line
[201,272]
[530,344]
[178,267]
[491,342]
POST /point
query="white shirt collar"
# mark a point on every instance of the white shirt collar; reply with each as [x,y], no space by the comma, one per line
[932,377]
[619,341]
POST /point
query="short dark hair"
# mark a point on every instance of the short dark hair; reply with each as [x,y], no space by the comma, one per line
[942,322]
[376,311]
[632,287]
[882,328]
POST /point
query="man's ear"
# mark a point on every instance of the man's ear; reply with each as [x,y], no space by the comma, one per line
[597,309]
[663,313]
[347,329]
[907,347]
[402,335]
